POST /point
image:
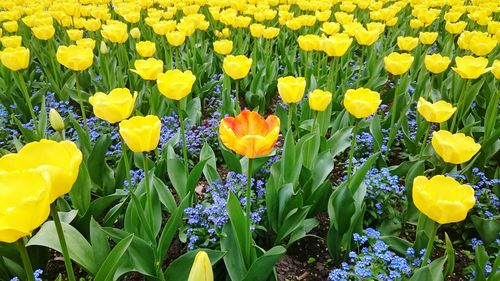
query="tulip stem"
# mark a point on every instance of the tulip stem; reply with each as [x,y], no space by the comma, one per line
[424,141]
[26,259]
[291,109]
[248,209]
[394,108]
[80,101]
[430,242]
[148,191]
[62,241]
[351,152]
[361,63]
[315,117]
[459,113]
[237,96]
[183,135]
[22,84]
[127,164]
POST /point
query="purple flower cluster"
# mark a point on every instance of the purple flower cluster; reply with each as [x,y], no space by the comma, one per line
[374,260]
[384,193]
[206,219]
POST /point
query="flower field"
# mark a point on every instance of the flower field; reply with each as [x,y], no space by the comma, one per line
[250,140]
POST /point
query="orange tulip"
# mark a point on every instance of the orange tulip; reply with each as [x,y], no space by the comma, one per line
[249,134]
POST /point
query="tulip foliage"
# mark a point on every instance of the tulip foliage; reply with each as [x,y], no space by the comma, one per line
[211,140]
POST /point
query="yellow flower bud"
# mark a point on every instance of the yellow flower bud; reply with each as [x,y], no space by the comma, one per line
[43,32]
[10,26]
[75,34]
[201,269]
[11,41]
[291,89]
[442,199]
[141,134]
[336,45]
[361,102]
[176,38]
[496,69]
[115,32]
[407,43]
[319,100]
[103,48]
[135,33]
[56,120]
[454,148]
[427,38]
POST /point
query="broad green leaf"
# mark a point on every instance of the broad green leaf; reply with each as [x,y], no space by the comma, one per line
[262,268]
[179,269]
[110,265]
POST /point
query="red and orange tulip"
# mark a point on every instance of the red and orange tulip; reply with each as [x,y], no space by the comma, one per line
[249,134]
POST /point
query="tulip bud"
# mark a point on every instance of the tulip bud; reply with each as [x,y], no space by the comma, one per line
[104,49]
[135,33]
[56,120]
[201,269]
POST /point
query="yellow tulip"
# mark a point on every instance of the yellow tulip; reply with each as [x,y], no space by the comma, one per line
[455,28]
[75,34]
[361,102]
[437,112]
[330,28]
[175,84]
[496,69]
[10,26]
[291,89]
[482,45]
[271,32]
[397,63]
[43,32]
[257,29]
[115,32]
[141,134]
[114,107]
[237,67]
[145,49]
[176,38]
[223,47]
[336,45]
[25,203]
[436,63]
[61,160]
[407,43]
[11,41]
[427,38]
[442,199]
[15,58]
[469,67]
[135,33]
[86,43]
[74,57]
[103,49]
[319,100]
[454,148]
[148,69]
[309,42]
[187,27]
[56,121]
[366,37]
[201,269]
[92,24]
[380,27]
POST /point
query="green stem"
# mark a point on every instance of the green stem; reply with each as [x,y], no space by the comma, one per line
[248,209]
[26,259]
[62,241]
[127,164]
[183,134]
[315,117]
[361,63]
[237,96]
[428,249]
[80,101]
[290,116]
[459,113]
[22,84]
[148,191]
[351,151]
[424,141]
[393,115]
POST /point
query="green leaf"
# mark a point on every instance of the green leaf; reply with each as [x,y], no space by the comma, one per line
[194,176]
[450,257]
[210,169]
[430,272]
[262,268]
[360,173]
[170,228]
[99,242]
[179,269]
[488,229]
[110,265]
[79,249]
[235,264]
[339,141]
[176,173]
[80,193]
